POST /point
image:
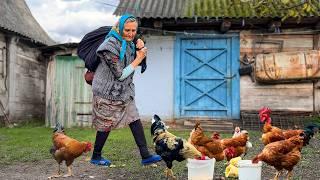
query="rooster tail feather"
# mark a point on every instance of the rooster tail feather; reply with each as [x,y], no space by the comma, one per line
[255,159]
[59,128]
[307,136]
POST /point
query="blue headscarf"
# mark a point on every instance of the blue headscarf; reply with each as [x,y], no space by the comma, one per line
[118,35]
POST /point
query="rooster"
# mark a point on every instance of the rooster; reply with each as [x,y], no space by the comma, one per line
[284,154]
[273,134]
[66,149]
[270,133]
[171,147]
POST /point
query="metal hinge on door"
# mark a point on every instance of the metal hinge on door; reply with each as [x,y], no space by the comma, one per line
[230,77]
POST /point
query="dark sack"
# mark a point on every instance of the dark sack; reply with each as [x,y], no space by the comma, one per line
[87,51]
[88,46]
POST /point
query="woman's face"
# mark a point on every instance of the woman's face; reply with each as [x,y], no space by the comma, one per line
[129,30]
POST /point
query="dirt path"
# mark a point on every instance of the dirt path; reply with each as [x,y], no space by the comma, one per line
[43,169]
[83,170]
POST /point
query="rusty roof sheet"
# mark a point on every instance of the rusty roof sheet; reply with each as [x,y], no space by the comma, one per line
[15,16]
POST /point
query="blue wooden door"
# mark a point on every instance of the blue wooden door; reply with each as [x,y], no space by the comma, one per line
[208,80]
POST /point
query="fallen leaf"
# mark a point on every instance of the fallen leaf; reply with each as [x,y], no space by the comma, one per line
[154,165]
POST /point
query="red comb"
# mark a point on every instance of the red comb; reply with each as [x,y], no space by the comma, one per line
[264,114]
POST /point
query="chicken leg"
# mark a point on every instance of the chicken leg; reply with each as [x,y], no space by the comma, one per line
[277,175]
[69,172]
[289,175]
[57,175]
[169,174]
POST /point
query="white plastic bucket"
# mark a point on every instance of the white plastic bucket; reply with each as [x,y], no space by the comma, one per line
[201,169]
[249,171]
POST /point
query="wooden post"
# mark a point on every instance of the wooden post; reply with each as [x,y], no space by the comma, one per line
[316,41]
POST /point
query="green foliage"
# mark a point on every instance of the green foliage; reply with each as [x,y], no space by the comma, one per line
[285,8]
[24,144]
[32,142]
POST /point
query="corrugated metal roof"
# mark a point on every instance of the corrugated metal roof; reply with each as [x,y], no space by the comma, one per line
[151,8]
[197,8]
[15,16]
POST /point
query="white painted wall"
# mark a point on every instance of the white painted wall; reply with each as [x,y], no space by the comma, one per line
[155,87]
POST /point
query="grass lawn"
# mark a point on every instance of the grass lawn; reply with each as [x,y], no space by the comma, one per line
[31,143]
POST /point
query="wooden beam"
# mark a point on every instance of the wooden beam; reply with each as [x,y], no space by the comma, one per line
[317,26]
[316,41]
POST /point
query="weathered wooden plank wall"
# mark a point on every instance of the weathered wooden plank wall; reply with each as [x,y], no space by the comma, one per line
[298,42]
[30,78]
[3,73]
[22,79]
[295,96]
[68,98]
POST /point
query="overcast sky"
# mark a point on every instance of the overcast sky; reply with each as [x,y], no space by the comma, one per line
[69,20]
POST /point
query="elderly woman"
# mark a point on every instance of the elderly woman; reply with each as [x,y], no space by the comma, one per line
[113,90]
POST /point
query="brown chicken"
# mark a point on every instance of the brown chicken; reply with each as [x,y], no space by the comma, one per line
[236,146]
[207,146]
[66,149]
[273,133]
[283,154]
[219,149]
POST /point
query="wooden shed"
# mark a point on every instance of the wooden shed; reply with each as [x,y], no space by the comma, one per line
[68,96]
[22,68]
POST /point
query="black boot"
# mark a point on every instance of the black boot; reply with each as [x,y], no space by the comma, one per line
[96,158]
[138,134]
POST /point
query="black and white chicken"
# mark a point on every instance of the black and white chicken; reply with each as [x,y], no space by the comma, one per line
[171,147]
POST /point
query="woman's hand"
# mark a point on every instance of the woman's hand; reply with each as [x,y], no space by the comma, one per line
[140,44]
[141,54]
